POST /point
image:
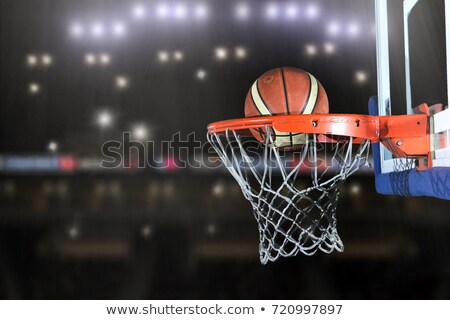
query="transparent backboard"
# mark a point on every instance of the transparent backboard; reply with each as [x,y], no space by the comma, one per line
[413,55]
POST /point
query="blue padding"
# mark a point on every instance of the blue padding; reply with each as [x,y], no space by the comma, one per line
[434,182]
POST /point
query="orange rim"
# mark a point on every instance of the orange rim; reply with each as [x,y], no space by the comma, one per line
[372,128]
[404,136]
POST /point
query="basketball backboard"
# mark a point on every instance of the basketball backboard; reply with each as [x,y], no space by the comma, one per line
[426,55]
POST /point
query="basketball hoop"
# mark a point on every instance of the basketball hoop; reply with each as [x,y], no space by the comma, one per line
[294,216]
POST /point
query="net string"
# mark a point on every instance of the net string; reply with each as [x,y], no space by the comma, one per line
[290,220]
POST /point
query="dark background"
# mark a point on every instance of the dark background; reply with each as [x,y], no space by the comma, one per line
[78,231]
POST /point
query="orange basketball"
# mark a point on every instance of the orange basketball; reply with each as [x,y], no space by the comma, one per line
[285,91]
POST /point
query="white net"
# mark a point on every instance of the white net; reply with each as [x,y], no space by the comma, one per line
[400,176]
[294,214]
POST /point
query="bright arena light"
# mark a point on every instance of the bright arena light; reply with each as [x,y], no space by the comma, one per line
[163,56]
[97,30]
[329,48]
[201,11]
[218,189]
[32,60]
[211,229]
[355,188]
[361,76]
[240,52]
[200,74]
[291,11]
[333,28]
[104,119]
[104,58]
[178,55]
[34,88]
[52,146]
[138,11]
[146,231]
[46,59]
[73,232]
[311,50]
[118,29]
[221,53]
[180,11]
[121,82]
[76,30]
[272,11]
[312,11]
[242,11]
[353,29]
[162,10]
[90,59]
[140,132]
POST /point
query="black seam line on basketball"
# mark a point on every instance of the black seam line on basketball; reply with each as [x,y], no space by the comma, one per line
[282,135]
[260,131]
[287,101]
[260,96]
[309,94]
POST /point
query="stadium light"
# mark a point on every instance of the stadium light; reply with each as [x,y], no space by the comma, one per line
[242,11]
[361,76]
[46,59]
[353,29]
[240,53]
[162,11]
[211,229]
[333,28]
[146,231]
[311,50]
[272,11]
[140,132]
[218,189]
[121,82]
[201,11]
[221,53]
[52,146]
[312,11]
[104,119]
[76,30]
[291,11]
[329,48]
[32,60]
[138,11]
[118,29]
[97,30]
[34,88]
[163,56]
[355,188]
[178,55]
[90,59]
[73,232]
[180,11]
[104,58]
[200,74]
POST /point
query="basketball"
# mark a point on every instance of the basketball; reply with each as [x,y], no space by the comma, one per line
[284,91]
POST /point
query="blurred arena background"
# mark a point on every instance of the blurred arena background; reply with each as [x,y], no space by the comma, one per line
[75,74]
